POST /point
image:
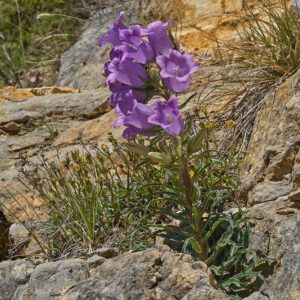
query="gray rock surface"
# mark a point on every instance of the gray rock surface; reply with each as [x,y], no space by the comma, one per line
[105,252]
[154,274]
[12,275]
[81,105]
[50,280]
[82,65]
[256,296]
[270,191]
[296,5]
[270,184]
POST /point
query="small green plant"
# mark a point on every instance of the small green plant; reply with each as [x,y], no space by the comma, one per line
[237,267]
[51,131]
[90,197]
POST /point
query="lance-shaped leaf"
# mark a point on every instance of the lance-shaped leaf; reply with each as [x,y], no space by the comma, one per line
[137,148]
[194,145]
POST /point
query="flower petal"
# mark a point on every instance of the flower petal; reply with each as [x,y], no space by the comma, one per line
[174,85]
[176,127]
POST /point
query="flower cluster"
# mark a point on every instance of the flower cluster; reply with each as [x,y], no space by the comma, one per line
[135,54]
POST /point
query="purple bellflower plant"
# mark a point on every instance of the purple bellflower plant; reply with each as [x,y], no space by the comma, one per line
[142,64]
[145,63]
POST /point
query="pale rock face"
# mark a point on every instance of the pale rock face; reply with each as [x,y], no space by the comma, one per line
[216,19]
[153,274]
[205,7]
[270,183]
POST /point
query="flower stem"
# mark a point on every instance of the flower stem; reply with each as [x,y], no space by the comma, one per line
[190,198]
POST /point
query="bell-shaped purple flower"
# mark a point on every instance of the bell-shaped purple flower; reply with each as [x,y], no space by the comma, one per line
[158,37]
[118,88]
[123,93]
[134,46]
[167,116]
[135,121]
[114,35]
[123,102]
[176,70]
[127,72]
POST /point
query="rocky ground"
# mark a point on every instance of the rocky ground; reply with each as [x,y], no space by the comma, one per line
[56,118]
[156,273]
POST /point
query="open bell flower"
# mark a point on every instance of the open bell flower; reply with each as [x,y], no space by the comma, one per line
[134,46]
[114,35]
[167,116]
[158,36]
[116,86]
[122,95]
[127,72]
[136,121]
[124,102]
[176,70]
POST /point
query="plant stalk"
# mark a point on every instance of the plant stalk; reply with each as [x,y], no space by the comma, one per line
[189,198]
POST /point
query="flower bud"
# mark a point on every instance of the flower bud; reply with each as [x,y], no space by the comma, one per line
[160,158]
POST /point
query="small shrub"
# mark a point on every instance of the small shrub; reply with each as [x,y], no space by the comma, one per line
[90,197]
[270,40]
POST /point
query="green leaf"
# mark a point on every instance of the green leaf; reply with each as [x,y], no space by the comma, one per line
[137,148]
[194,145]
[187,101]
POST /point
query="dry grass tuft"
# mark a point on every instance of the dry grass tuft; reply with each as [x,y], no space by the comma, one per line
[268,52]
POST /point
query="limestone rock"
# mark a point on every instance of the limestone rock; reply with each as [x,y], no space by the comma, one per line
[105,252]
[269,191]
[256,296]
[82,65]
[275,139]
[95,261]
[150,274]
[155,273]
[18,233]
[85,105]
[14,274]
[14,94]
[270,183]
[278,235]
[51,279]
